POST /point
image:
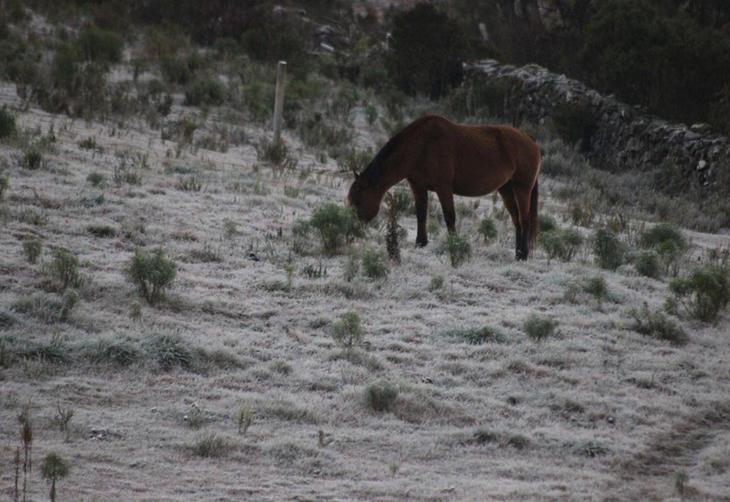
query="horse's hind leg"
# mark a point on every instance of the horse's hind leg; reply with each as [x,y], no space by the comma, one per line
[522,196]
[508,197]
[420,195]
[446,198]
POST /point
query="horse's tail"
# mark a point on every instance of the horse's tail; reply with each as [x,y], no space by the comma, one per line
[534,221]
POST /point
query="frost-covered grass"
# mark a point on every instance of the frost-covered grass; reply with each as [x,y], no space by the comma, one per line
[593,409]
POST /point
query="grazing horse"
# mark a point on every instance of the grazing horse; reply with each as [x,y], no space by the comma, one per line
[435,154]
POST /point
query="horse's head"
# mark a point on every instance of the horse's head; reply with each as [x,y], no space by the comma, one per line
[365,198]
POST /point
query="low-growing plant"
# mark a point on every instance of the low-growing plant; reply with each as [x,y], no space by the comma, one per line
[63,270]
[32,248]
[547,223]
[657,325]
[458,249]
[561,243]
[32,159]
[391,234]
[336,225]
[437,282]
[539,328]
[102,231]
[668,242]
[63,419]
[704,293]
[189,184]
[7,123]
[4,186]
[276,153]
[487,229]
[381,396]
[169,351]
[152,273]
[347,332]
[96,179]
[597,288]
[374,264]
[476,336]
[244,419]
[211,446]
[351,267]
[647,264]
[610,252]
[205,92]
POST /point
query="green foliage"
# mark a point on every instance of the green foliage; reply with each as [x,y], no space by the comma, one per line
[427,50]
[547,223]
[609,251]
[32,248]
[348,332]
[657,325]
[32,159]
[337,225]
[476,336]
[152,273]
[53,469]
[96,179]
[561,243]
[488,229]
[211,446]
[101,46]
[7,123]
[169,351]
[4,185]
[539,328]
[275,153]
[437,282]
[647,264]
[458,249]
[667,241]
[381,396]
[597,288]
[704,293]
[374,264]
[63,270]
[205,92]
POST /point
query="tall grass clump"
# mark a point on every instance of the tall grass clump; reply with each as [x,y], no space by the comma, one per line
[647,264]
[703,294]
[7,123]
[336,225]
[32,248]
[657,325]
[381,396]
[539,328]
[668,242]
[152,273]
[561,243]
[63,270]
[487,229]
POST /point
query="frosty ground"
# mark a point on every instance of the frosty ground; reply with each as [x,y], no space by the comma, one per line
[595,412]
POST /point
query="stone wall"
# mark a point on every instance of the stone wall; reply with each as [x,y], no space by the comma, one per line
[623,138]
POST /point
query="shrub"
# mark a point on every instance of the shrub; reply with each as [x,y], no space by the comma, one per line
[437,282]
[32,248]
[561,243]
[597,288]
[668,243]
[647,264]
[152,272]
[53,469]
[374,264]
[64,270]
[704,293]
[381,396]
[458,249]
[7,123]
[96,179]
[487,229]
[100,46]
[547,223]
[348,332]
[475,336]
[336,225]
[275,153]
[102,231]
[657,325]
[169,351]
[539,328]
[117,352]
[32,159]
[205,92]
[608,249]
[4,186]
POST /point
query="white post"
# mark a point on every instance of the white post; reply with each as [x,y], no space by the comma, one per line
[279,100]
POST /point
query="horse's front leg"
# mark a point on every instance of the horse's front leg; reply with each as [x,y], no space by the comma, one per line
[420,195]
[446,198]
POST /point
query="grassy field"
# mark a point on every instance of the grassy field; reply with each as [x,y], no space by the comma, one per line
[233,386]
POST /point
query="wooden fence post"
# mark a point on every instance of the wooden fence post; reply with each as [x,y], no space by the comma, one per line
[279,100]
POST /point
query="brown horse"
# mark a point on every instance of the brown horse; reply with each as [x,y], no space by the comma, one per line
[435,154]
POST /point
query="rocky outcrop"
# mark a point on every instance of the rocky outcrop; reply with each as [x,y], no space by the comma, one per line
[621,137]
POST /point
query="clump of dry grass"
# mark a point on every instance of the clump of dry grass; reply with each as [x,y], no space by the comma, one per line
[381,396]
[211,445]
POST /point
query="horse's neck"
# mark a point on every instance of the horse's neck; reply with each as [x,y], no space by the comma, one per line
[390,176]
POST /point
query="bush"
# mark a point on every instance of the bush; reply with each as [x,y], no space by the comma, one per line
[381,396]
[647,264]
[561,243]
[96,179]
[374,264]
[152,273]
[458,249]
[32,248]
[206,92]
[704,293]
[7,123]
[169,351]
[101,46]
[336,225]
[211,446]
[608,249]
[487,229]
[348,332]
[668,243]
[597,288]
[64,270]
[547,223]
[32,159]
[539,328]
[658,325]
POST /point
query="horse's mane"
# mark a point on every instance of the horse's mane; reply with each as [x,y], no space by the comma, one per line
[374,170]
